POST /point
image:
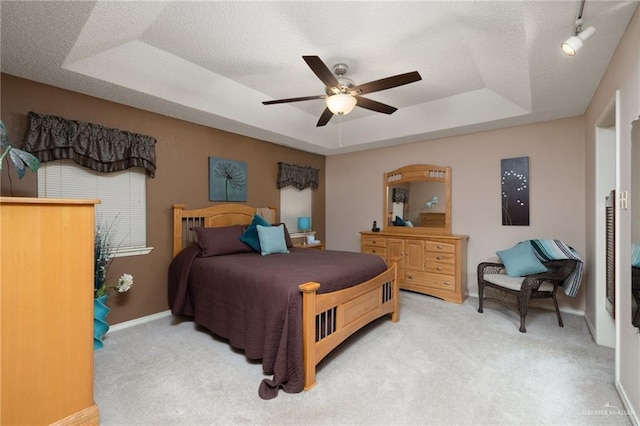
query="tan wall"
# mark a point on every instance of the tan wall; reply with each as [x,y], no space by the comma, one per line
[182,153]
[622,76]
[556,167]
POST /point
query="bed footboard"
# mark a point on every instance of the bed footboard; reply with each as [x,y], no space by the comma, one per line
[329,319]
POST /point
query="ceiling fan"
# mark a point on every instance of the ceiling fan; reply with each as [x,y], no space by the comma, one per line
[342,94]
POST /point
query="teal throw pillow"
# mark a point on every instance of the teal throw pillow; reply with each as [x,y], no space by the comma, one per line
[521,260]
[399,222]
[272,239]
[250,235]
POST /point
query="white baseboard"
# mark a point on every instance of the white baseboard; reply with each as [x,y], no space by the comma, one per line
[591,327]
[628,409]
[139,321]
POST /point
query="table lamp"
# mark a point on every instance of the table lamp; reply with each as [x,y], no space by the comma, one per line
[304,223]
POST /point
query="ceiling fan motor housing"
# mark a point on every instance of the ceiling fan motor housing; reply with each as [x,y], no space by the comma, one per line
[340,70]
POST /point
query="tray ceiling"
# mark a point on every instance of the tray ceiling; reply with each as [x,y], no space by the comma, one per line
[484,65]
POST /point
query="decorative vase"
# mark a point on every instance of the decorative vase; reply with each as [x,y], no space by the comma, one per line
[100,326]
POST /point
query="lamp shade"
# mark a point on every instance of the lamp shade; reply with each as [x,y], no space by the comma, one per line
[304,223]
[341,103]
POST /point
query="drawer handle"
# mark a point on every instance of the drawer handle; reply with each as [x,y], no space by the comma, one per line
[439,246]
[410,277]
[447,282]
[374,241]
[439,257]
[373,251]
[439,268]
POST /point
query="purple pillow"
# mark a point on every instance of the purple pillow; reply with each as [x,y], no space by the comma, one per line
[220,241]
[287,237]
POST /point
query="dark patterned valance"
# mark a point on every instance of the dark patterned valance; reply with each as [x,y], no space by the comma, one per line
[99,148]
[400,195]
[300,177]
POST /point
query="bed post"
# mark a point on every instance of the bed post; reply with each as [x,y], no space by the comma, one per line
[395,316]
[177,228]
[309,332]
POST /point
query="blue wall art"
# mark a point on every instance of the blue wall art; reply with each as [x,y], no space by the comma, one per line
[227,180]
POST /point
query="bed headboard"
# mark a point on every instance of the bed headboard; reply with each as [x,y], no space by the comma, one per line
[211,217]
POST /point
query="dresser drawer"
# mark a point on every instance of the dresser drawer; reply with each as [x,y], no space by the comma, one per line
[440,268]
[436,246]
[380,251]
[444,282]
[374,241]
[433,257]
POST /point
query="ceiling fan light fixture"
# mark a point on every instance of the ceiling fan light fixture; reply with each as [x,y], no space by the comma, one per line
[341,103]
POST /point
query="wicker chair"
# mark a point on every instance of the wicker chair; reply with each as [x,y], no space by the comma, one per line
[515,292]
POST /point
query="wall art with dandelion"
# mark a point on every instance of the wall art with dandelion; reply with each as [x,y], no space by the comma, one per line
[227,180]
[515,191]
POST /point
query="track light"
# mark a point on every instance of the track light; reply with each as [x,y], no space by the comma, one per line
[575,42]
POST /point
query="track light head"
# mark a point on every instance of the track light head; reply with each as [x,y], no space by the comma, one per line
[575,43]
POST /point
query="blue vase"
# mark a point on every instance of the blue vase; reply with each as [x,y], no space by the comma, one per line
[100,326]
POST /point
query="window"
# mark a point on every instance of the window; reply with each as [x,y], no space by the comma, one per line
[293,204]
[122,195]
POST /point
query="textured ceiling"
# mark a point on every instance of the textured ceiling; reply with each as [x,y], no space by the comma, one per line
[484,65]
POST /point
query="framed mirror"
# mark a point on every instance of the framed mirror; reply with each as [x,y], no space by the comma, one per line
[417,199]
[635,223]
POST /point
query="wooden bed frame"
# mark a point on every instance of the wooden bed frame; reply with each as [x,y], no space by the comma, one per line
[351,308]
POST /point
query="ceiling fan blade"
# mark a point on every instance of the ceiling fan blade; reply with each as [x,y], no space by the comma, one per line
[321,70]
[325,117]
[375,106]
[282,101]
[387,83]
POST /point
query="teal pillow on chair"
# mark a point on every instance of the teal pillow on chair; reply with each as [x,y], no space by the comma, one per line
[250,235]
[399,222]
[272,239]
[521,260]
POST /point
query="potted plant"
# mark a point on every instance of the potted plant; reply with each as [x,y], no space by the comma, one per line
[104,251]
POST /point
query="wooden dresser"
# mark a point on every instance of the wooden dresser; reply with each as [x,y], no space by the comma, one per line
[46,317]
[433,265]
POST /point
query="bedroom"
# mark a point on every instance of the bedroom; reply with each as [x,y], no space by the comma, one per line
[562,190]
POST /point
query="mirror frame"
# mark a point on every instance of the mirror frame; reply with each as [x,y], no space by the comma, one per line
[417,173]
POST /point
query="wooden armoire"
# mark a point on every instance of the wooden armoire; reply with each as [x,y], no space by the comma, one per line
[46,311]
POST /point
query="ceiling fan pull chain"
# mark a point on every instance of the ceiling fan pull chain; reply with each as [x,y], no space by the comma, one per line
[340,131]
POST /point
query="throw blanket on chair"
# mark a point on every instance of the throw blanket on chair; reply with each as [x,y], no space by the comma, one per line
[635,255]
[557,250]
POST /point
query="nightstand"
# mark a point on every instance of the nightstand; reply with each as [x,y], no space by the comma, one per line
[318,246]
[300,238]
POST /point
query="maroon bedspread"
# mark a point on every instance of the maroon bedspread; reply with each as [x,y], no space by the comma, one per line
[254,301]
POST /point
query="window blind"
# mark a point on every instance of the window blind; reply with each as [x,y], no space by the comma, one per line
[294,203]
[122,195]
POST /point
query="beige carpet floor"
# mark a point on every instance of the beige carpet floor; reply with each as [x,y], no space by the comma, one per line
[441,364]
